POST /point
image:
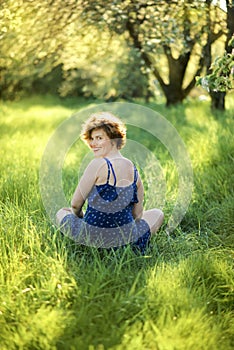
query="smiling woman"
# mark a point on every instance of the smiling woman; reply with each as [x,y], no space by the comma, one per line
[114,190]
[99,143]
[107,126]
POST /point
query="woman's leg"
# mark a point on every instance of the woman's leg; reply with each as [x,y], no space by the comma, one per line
[154,218]
[72,225]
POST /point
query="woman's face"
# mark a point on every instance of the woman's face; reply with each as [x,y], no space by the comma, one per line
[100,143]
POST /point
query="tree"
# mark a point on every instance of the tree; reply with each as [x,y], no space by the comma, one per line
[221,78]
[100,66]
[175,30]
[167,41]
[31,34]
[46,46]
[219,74]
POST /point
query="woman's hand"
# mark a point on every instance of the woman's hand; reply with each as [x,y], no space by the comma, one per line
[78,213]
[81,214]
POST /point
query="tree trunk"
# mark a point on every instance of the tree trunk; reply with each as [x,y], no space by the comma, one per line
[177,66]
[173,95]
[174,91]
[217,100]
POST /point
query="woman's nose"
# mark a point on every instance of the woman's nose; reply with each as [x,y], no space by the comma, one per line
[92,143]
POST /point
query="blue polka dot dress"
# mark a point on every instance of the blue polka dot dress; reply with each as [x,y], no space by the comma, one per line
[108,221]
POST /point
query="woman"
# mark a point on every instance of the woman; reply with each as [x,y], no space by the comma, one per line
[114,190]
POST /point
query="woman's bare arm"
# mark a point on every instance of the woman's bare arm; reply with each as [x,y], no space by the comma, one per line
[84,187]
[138,207]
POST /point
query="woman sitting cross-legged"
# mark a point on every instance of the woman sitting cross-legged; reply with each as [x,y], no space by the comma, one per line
[113,188]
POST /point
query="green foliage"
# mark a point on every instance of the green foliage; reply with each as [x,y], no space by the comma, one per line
[222,76]
[167,35]
[63,55]
[31,41]
[57,295]
[103,49]
[157,23]
[108,69]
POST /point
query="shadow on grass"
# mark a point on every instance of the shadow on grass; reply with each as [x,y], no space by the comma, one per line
[120,292]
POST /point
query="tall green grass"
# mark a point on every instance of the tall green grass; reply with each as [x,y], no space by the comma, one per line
[55,294]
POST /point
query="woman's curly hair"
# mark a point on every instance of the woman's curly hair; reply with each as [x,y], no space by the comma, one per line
[112,125]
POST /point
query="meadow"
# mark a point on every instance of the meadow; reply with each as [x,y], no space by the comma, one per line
[55,294]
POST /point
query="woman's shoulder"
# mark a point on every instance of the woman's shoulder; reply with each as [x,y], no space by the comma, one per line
[94,168]
[129,163]
[125,165]
[125,161]
[96,163]
[100,163]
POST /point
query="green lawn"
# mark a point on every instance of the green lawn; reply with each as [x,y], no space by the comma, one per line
[55,294]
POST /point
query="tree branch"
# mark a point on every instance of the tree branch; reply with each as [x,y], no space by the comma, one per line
[144,56]
[205,52]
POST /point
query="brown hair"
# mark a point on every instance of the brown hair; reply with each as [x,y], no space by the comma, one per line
[113,127]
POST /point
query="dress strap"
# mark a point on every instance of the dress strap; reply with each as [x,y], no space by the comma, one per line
[135,174]
[110,167]
[108,175]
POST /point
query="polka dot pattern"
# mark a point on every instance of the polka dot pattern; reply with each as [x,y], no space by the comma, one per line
[108,221]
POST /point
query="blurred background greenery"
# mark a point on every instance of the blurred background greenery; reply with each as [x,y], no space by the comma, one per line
[57,57]
[112,49]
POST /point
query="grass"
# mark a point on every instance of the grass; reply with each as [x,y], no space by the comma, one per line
[55,294]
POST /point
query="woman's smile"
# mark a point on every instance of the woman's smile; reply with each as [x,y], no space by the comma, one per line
[100,143]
